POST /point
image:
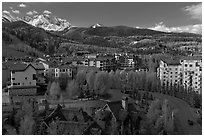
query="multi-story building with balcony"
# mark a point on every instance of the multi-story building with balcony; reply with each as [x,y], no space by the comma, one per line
[192,72]
[186,71]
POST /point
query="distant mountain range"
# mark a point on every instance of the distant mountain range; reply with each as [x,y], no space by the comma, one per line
[45,21]
[46,33]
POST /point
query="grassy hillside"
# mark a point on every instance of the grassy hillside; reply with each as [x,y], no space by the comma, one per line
[16,48]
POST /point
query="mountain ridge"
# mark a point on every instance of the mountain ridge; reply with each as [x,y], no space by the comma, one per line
[45,21]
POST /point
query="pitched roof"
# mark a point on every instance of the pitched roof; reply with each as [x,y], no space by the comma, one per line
[18,66]
[38,66]
[55,113]
[115,108]
[94,124]
[191,58]
[170,61]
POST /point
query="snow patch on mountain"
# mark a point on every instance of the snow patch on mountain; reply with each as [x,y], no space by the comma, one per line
[50,23]
[45,21]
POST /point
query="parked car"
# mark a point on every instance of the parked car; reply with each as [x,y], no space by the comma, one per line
[190,122]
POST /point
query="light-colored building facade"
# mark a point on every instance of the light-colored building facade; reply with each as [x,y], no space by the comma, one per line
[169,72]
[24,76]
[192,72]
[23,80]
[68,69]
[187,72]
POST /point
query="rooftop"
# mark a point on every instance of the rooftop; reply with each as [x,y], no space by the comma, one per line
[38,66]
[191,57]
[171,61]
[17,66]
[115,108]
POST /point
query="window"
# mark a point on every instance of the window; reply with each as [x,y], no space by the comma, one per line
[13,78]
[190,65]
[200,69]
[186,65]
[14,83]
[25,77]
[197,65]
[176,69]
[34,77]
[18,83]
[30,83]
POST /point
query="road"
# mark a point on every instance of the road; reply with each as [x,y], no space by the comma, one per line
[183,114]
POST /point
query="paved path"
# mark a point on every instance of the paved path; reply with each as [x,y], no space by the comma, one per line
[183,113]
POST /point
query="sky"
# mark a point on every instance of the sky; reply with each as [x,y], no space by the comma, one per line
[163,16]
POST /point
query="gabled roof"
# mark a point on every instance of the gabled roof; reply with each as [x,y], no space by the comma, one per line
[94,124]
[115,108]
[55,113]
[19,67]
[38,66]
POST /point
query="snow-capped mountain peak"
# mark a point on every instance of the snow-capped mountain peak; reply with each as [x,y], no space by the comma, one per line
[45,21]
[7,17]
[48,22]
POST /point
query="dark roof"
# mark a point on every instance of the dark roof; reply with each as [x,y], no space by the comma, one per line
[94,124]
[170,61]
[22,87]
[66,66]
[55,113]
[115,108]
[38,66]
[132,107]
[191,58]
[104,58]
[86,116]
[18,66]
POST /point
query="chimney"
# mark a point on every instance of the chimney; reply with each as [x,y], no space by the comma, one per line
[125,103]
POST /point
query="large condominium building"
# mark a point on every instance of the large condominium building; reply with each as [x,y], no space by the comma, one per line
[192,72]
[169,72]
[185,71]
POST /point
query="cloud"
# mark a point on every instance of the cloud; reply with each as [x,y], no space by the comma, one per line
[197,28]
[16,11]
[22,5]
[31,12]
[195,11]
[47,12]
[6,12]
